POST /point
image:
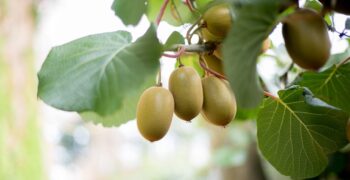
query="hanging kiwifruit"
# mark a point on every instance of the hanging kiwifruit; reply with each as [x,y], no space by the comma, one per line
[186,86]
[154,113]
[209,37]
[219,106]
[218,20]
[306,38]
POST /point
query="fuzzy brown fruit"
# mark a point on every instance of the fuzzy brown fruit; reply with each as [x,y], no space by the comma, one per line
[306,38]
[186,86]
[219,105]
[214,63]
[154,113]
[218,20]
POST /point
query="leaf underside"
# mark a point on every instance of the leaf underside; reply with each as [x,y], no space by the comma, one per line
[98,72]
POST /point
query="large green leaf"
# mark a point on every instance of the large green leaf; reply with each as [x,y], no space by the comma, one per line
[298,131]
[99,72]
[331,85]
[129,11]
[253,23]
[176,13]
[174,38]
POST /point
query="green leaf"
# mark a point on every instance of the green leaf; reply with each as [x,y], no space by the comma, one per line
[126,111]
[191,60]
[129,11]
[336,59]
[176,13]
[243,46]
[313,4]
[298,131]
[331,85]
[173,39]
[98,72]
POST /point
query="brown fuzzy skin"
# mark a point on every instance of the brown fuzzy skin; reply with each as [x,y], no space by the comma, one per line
[154,113]
[218,20]
[214,63]
[219,105]
[340,6]
[306,37]
[186,86]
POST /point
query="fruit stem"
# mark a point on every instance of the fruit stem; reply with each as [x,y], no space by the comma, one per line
[204,66]
[159,81]
[180,51]
[189,32]
[190,6]
[161,12]
[270,95]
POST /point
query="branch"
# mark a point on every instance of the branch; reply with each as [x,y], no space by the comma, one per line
[193,47]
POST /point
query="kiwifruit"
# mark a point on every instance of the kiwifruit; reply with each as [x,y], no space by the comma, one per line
[219,106]
[214,63]
[154,113]
[218,20]
[340,6]
[186,86]
[306,38]
[209,37]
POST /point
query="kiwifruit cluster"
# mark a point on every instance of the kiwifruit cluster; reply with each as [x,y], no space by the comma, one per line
[214,27]
[306,38]
[188,95]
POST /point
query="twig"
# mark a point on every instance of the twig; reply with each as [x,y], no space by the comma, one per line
[341,34]
[193,47]
[180,51]
[161,12]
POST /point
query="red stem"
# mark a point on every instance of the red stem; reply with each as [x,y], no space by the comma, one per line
[177,54]
[161,12]
[189,4]
[270,95]
[204,66]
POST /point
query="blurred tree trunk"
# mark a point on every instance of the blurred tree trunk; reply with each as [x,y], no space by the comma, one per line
[20,148]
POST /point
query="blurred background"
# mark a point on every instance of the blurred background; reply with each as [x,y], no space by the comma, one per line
[39,142]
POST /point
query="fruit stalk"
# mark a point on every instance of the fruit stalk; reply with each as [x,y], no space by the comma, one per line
[161,12]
